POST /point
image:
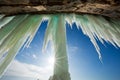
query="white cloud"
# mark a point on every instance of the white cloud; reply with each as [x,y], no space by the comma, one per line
[34,56]
[73,49]
[28,70]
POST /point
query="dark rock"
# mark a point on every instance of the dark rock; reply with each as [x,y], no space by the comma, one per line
[109,8]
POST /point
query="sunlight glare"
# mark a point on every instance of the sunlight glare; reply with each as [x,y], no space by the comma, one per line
[51,61]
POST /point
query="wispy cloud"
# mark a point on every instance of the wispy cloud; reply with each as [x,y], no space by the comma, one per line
[34,56]
[28,70]
[73,49]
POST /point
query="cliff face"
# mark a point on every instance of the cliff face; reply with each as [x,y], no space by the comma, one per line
[109,8]
[37,2]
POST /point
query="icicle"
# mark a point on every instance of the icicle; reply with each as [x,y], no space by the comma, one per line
[56,32]
[8,28]
[5,20]
[70,18]
[97,27]
[1,16]
[33,32]
[15,40]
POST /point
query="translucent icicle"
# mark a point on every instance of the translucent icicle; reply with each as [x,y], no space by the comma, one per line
[5,20]
[56,32]
[17,38]
[98,27]
[8,28]
[1,16]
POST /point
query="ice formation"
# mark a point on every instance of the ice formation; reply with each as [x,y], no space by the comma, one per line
[19,30]
[13,36]
[56,33]
[98,28]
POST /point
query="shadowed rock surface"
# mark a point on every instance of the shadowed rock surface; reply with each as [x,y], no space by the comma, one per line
[109,8]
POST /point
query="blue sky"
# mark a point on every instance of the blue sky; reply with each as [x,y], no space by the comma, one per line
[84,63]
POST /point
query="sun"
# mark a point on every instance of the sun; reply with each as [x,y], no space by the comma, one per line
[51,60]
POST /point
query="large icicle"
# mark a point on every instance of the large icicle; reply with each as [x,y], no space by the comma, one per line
[98,27]
[20,32]
[56,32]
[5,20]
[11,26]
